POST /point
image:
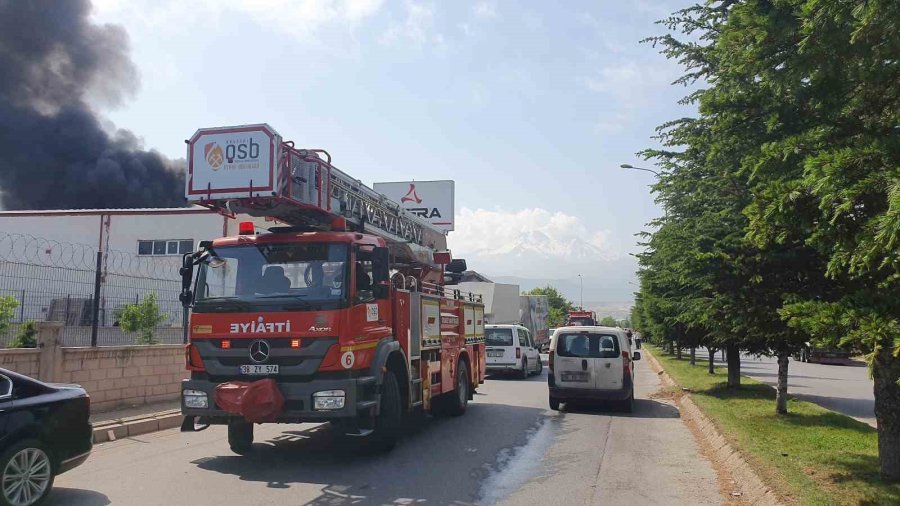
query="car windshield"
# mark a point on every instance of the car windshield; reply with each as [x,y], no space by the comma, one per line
[584,345]
[308,272]
[498,337]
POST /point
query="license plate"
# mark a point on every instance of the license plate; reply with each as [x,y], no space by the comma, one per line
[494,353]
[259,369]
[574,376]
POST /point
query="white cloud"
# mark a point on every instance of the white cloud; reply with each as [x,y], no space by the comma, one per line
[417,27]
[300,18]
[528,241]
[485,10]
[307,16]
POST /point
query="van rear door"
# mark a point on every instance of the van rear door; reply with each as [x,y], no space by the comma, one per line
[586,359]
[608,361]
[572,364]
[500,346]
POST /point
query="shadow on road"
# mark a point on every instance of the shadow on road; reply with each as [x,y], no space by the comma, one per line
[76,496]
[643,408]
[542,377]
[765,374]
[455,449]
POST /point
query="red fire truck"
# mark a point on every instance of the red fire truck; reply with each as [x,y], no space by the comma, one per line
[580,318]
[345,313]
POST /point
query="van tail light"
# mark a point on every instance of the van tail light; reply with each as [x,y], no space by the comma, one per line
[551,360]
[192,359]
[626,365]
[518,352]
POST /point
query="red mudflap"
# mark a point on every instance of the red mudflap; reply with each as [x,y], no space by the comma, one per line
[260,401]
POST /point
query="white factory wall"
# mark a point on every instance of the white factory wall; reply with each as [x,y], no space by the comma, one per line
[52,276]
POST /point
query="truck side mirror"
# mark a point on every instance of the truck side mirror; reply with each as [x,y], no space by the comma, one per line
[187,274]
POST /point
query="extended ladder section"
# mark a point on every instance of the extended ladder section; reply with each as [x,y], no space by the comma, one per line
[250,170]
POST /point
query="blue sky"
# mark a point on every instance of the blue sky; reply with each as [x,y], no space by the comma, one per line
[529,106]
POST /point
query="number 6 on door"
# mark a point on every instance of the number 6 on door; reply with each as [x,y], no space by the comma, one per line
[348,359]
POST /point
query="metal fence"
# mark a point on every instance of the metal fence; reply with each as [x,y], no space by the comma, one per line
[85,289]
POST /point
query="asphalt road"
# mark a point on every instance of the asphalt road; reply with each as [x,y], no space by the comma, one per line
[846,389]
[509,447]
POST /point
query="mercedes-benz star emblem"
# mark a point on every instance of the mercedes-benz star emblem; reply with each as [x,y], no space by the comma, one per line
[259,351]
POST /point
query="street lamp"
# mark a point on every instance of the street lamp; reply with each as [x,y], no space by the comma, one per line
[581,280]
[632,167]
[657,174]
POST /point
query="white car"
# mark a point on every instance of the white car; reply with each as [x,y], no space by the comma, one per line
[511,348]
[591,364]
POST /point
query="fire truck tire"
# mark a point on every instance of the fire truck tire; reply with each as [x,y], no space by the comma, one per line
[390,416]
[458,400]
[240,436]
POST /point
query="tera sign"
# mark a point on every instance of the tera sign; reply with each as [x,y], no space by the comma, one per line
[430,200]
[232,162]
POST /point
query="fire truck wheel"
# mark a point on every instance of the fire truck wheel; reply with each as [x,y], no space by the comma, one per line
[390,417]
[458,400]
[240,436]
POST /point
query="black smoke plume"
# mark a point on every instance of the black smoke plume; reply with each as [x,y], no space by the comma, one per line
[54,153]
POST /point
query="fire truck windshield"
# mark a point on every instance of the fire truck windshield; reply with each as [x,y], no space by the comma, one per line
[276,276]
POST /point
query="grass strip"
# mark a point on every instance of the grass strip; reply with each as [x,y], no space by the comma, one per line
[810,456]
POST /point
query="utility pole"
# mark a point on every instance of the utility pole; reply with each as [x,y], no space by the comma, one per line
[581,280]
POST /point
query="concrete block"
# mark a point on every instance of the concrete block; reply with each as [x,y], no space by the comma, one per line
[115,372]
[169,421]
[107,433]
[77,376]
[137,428]
[98,374]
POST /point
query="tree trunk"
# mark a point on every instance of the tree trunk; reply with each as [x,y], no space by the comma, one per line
[671,347]
[693,355]
[711,367]
[733,356]
[678,350]
[781,391]
[886,372]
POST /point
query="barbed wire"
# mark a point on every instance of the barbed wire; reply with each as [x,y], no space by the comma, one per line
[39,251]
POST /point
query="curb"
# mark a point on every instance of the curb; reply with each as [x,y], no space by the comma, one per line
[110,430]
[753,489]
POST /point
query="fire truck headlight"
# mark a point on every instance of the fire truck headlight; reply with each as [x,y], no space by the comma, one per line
[196,399]
[328,399]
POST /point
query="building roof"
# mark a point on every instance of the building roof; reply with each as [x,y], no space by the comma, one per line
[97,212]
[474,277]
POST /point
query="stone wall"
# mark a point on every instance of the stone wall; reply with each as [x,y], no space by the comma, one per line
[114,376]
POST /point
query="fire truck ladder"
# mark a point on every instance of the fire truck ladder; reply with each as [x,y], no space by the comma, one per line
[312,193]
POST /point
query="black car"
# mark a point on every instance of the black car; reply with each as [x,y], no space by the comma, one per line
[45,430]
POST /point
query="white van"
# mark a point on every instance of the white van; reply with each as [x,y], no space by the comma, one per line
[511,348]
[591,364]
